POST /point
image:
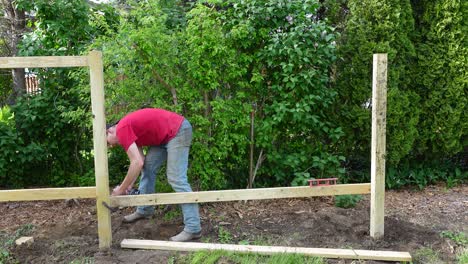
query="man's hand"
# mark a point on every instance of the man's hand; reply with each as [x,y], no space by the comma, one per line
[119,191]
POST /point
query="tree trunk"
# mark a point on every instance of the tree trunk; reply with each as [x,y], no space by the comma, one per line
[19,85]
[16,20]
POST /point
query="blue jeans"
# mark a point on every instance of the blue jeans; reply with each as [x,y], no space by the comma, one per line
[176,152]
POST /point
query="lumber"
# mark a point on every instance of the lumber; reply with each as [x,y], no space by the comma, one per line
[379,110]
[24,240]
[43,62]
[318,252]
[239,195]
[100,148]
[47,194]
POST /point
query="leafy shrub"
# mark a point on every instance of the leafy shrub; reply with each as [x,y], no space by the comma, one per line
[423,174]
[294,51]
[215,67]
[49,142]
[17,157]
[56,136]
[6,116]
[217,62]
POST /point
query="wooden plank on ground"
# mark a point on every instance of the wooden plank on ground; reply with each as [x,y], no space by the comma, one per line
[43,62]
[47,194]
[379,112]
[318,252]
[239,195]
[24,241]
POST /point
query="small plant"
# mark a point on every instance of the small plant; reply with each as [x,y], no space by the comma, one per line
[347,201]
[459,238]
[452,182]
[206,239]
[262,240]
[171,215]
[224,236]
[244,242]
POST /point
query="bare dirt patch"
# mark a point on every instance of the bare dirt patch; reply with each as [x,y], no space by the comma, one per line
[67,231]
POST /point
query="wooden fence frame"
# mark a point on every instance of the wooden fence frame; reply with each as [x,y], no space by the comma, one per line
[101,192]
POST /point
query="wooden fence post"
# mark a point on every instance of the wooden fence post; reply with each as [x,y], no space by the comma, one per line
[379,110]
[100,149]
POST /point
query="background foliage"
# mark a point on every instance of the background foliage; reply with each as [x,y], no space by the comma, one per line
[301,69]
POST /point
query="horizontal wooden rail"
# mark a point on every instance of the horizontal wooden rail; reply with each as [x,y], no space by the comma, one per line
[43,62]
[318,252]
[239,195]
[47,194]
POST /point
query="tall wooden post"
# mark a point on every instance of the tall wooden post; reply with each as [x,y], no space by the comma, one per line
[100,149]
[379,112]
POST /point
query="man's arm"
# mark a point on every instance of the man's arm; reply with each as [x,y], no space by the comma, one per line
[137,160]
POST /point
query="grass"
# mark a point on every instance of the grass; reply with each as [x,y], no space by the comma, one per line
[85,260]
[426,256]
[462,257]
[171,215]
[219,256]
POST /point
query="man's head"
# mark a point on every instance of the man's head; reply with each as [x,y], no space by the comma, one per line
[111,132]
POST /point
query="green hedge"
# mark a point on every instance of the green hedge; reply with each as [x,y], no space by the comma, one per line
[303,67]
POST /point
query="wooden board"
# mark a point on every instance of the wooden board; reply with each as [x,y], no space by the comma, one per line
[100,148]
[47,194]
[318,252]
[43,62]
[239,195]
[379,111]
[24,240]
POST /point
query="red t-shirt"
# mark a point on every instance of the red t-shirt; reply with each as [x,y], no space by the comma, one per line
[148,127]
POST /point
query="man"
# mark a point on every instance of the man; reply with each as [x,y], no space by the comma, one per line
[168,136]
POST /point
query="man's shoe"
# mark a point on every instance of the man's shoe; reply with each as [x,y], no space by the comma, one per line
[133,217]
[185,236]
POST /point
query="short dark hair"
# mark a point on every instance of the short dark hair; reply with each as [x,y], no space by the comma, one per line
[109,125]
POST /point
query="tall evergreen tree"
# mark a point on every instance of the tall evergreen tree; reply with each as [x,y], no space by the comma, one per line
[442,77]
[375,26]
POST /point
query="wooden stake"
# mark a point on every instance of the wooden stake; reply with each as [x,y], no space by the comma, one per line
[379,110]
[100,149]
[317,252]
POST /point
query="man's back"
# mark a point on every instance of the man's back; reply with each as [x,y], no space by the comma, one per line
[148,127]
